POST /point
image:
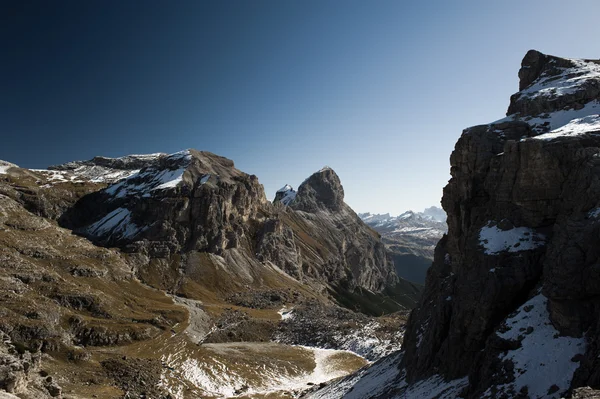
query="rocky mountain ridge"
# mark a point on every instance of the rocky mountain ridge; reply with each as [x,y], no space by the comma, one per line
[509,309]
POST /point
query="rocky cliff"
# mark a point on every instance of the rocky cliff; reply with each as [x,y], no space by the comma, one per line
[521,206]
[510,307]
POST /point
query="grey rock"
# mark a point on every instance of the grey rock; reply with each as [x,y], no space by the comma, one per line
[321,191]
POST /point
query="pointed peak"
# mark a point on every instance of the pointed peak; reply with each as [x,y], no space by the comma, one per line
[321,191]
[285,188]
[285,195]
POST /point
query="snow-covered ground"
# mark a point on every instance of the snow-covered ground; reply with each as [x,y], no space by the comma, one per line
[217,374]
[384,379]
[566,122]
[410,224]
[575,127]
[367,343]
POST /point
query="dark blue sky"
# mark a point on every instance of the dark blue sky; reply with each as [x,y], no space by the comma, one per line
[380,91]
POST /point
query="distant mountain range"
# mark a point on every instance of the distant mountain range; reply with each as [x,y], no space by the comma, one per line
[411,238]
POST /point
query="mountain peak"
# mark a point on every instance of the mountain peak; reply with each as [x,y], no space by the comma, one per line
[321,191]
[531,67]
[550,84]
[285,195]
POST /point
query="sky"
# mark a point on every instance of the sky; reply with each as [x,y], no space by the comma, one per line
[380,91]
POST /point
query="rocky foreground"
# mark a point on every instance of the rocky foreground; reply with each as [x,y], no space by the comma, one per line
[510,307]
[172,276]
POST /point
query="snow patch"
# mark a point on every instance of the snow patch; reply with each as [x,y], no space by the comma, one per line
[152,178]
[383,379]
[286,313]
[548,122]
[367,343]
[288,194]
[367,382]
[544,357]
[495,240]
[436,387]
[569,81]
[116,224]
[576,127]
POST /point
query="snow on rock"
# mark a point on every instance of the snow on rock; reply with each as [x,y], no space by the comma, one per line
[286,313]
[367,343]
[555,120]
[568,81]
[285,195]
[571,81]
[367,382]
[104,169]
[422,329]
[575,127]
[495,240]
[406,215]
[97,174]
[152,178]
[117,224]
[383,379]
[544,358]
[5,166]
[409,224]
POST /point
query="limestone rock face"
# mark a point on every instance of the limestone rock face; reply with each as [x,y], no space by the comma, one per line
[519,266]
